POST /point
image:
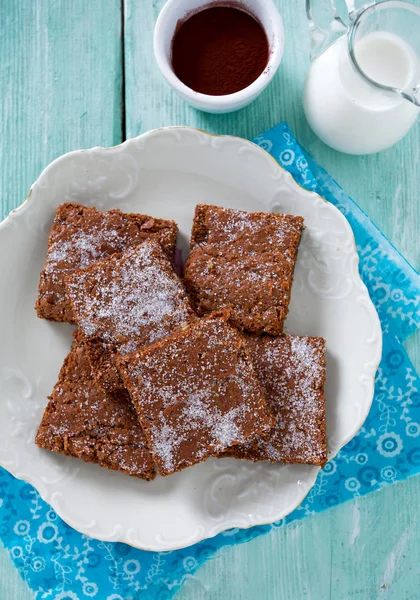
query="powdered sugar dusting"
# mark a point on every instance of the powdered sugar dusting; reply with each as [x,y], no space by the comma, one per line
[196,394]
[237,222]
[244,261]
[165,441]
[224,425]
[228,225]
[198,414]
[128,347]
[134,297]
[225,428]
[82,421]
[81,236]
[291,370]
[84,247]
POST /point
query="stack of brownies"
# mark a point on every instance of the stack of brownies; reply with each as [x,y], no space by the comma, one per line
[164,373]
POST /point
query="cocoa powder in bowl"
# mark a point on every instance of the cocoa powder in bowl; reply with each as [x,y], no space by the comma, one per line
[219,50]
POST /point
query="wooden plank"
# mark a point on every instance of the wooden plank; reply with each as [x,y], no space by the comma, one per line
[367,549]
[60,85]
[364,549]
[60,89]
[11,585]
[385,185]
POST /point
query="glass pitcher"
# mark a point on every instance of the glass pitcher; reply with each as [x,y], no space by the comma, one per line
[362,91]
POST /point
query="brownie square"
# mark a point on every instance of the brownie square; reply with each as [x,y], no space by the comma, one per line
[196,394]
[81,236]
[83,422]
[244,261]
[125,302]
[292,373]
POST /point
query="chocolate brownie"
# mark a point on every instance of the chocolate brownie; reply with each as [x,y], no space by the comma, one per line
[196,394]
[244,261]
[81,236]
[291,371]
[83,422]
[125,302]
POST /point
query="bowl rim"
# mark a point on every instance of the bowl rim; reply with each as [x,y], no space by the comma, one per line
[172,7]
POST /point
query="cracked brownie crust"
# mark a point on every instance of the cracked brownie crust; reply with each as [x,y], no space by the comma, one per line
[292,373]
[81,236]
[83,422]
[245,262]
[125,302]
[196,394]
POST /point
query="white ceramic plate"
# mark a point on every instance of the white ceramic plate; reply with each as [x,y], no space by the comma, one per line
[165,173]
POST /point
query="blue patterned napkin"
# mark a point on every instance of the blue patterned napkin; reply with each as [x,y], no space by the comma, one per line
[59,563]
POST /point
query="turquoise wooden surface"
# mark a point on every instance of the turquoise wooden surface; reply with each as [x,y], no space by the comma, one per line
[61,89]
[60,85]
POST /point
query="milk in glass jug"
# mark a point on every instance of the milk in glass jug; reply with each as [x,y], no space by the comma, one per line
[362,91]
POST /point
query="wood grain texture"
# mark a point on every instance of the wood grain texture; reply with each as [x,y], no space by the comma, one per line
[60,89]
[385,185]
[368,548]
[60,85]
[11,585]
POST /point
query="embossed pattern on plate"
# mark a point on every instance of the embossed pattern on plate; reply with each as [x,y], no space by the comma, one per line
[165,173]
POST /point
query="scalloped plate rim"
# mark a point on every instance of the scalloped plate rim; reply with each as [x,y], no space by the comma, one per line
[219,527]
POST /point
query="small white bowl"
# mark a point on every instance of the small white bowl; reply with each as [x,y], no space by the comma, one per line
[175,11]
